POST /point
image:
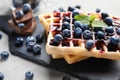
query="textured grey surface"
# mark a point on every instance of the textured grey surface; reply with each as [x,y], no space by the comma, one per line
[14,68]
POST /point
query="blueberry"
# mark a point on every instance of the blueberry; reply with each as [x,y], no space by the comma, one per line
[118,31]
[4,55]
[100,35]
[104,15]
[61,9]
[108,21]
[30,46]
[114,40]
[39,38]
[19,14]
[70,8]
[66,33]
[26,8]
[77,24]
[65,25]
[78,6]
[109,29]
[87,34]
[52,42]
[29,75]
[30,39]
[58,38]
[67,19]
[98,10]
[75,13]
[77,32]
[66,78]
[1,76]
[19,41]
[21,25]
[85,26]
[89,44]
[36,49]
[0,35]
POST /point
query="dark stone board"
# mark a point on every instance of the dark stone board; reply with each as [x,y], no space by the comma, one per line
[90,69]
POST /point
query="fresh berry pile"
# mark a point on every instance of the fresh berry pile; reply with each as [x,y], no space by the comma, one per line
[32,43]
[95,29]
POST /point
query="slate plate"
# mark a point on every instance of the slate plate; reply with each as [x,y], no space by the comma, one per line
[90,69]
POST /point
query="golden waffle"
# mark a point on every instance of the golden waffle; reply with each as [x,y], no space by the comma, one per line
[46,20]
[100,50]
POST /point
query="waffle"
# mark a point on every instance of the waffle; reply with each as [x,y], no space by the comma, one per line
[46,20]
[71,49]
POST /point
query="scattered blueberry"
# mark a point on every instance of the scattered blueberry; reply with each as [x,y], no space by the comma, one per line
[21,25]
[39,38]
[1,76]
[98,10]
[100,35]
[70,8]
[65,25]
[67,19]
[77,32]
[36,49]
[30,39]
[61,9]
[26,8]
[108,21]
[0,35]
[66,78]
[77,24]
[89,44]
[109,29]
[29,75]
[66,33]
[19,14]
[118,31]
[4,55]
[75,13]
[19,41]
[85,26]
[58,38]
[30,46]
[114,40]
[78,6]
[87,34]
[113,43]
[104,15]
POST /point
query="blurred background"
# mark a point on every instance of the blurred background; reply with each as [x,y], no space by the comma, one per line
[44,6]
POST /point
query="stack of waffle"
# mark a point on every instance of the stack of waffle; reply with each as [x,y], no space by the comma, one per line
[103,43]
[23,21]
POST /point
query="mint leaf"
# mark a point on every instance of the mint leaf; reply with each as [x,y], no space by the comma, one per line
[92,17]
[97,23]
[90,20]
[83,18]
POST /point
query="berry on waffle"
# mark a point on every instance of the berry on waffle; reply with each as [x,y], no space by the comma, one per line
[78,37]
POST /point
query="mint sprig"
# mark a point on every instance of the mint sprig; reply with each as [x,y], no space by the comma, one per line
[90,20]
[85,18]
